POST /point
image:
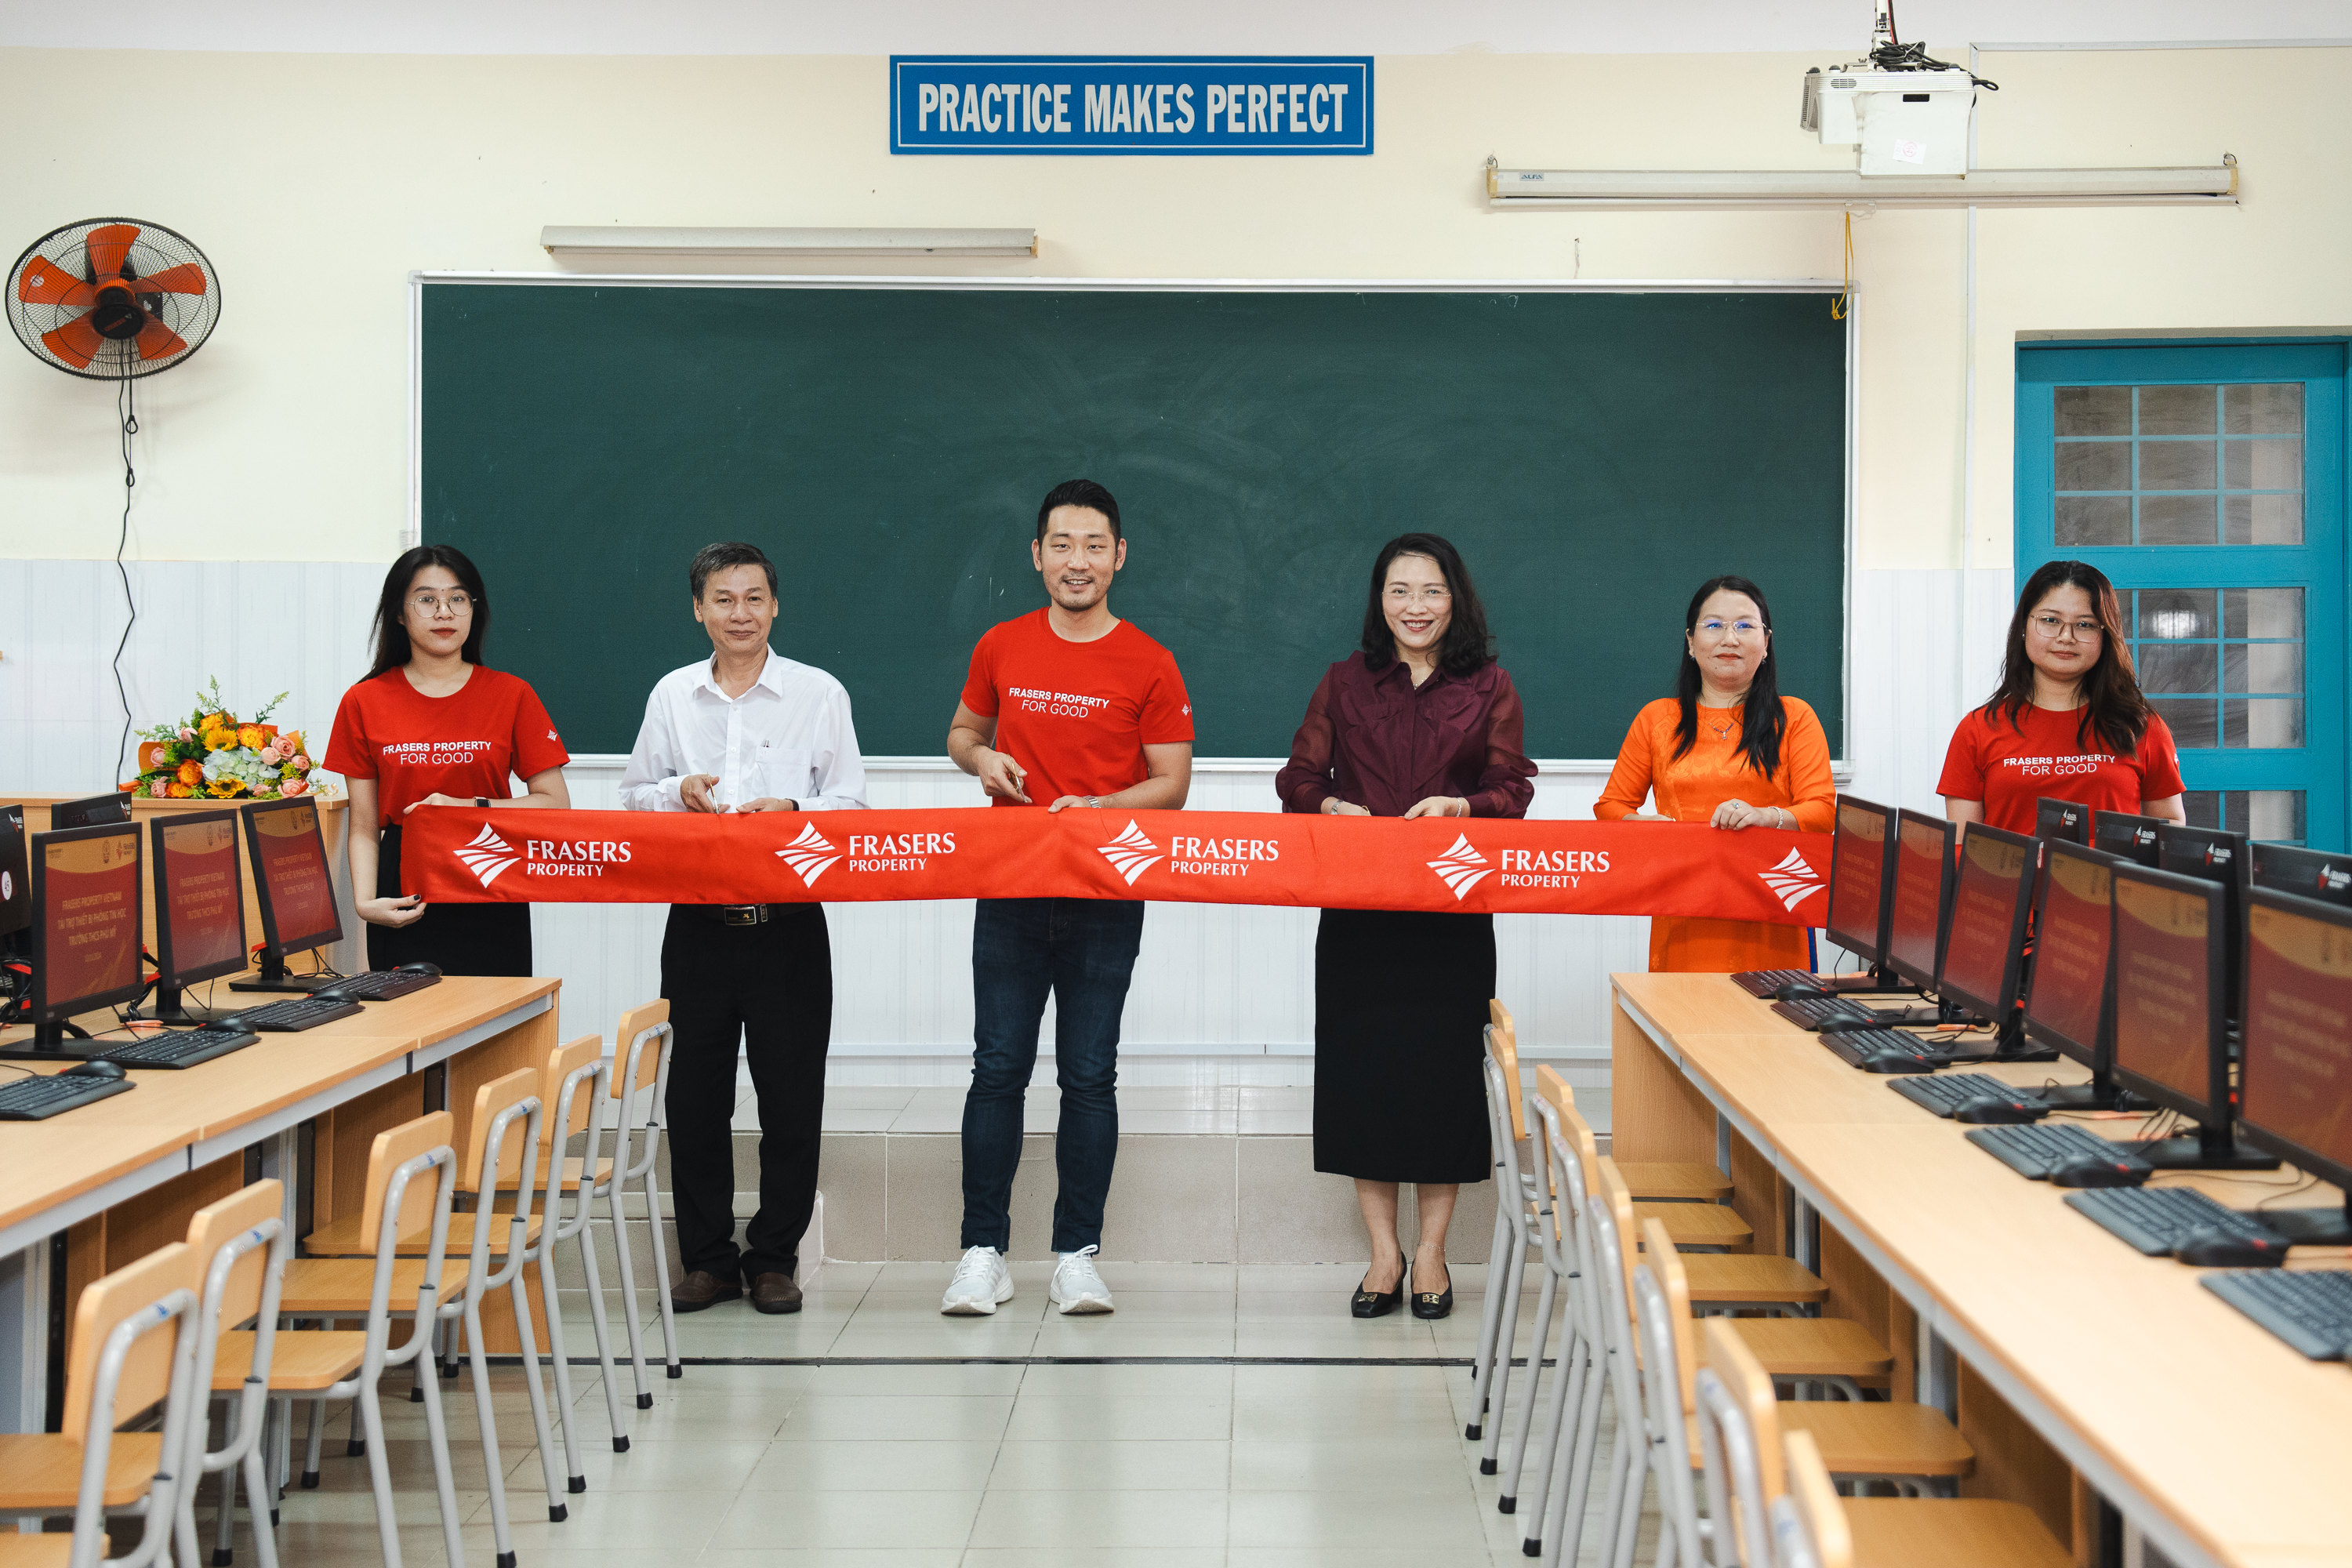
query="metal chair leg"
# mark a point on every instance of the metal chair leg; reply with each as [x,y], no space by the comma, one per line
[1509,1500]
[661,1275]
[620,1423]
[485,1417]
[1505,1334]
[1490,1313]
[632,1314]
[556,1509]
[444,1482]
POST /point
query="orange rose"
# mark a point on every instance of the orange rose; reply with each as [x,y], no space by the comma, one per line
[180,792]
[191,773]
[252,736]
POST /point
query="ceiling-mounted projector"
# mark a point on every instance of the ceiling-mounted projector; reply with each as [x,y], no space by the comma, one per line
[1907,113]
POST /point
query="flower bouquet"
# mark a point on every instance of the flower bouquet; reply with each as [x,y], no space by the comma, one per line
[215,755]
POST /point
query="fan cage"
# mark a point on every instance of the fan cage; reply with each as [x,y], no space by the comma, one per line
[157,249]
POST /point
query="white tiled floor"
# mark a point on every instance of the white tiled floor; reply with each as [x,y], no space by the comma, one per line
[1227,1108]
[1236,1459]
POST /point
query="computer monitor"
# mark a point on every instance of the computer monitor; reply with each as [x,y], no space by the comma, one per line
[2066,819]
[293,887]
[2219,858]
[96,811]
[2069,1000]
[86,933]
[2125,836]
[1922,900]
[199,905]
[2292,869]
[1862,884]
[2169,1044]
[1984,947]
[16,883]
[2295,1093]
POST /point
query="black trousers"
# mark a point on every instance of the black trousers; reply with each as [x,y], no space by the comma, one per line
[768,988]
[459,938]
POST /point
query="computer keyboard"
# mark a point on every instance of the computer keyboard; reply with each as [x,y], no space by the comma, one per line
[1878,1050]
[174,1048]
[32,1099]
[1761,982]
[2158,1220]
[1812,1012]
[383,985]
[2310,1308]
[2034,1150]
[1946,1092]
[287,1017]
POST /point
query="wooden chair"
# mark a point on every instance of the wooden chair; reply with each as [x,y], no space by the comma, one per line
[238,1248]
[1911,1446]
[1748,1475]
[643,1043]
[1652,1181]
[1778,1282]
[133,1346]
[411,1175]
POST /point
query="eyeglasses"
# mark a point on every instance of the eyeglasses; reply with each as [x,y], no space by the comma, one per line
[2049,627]
[433,604]
[1743,630]
[1403,595]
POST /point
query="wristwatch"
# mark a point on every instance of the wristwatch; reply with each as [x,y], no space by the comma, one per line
[483,801]
[1095,801]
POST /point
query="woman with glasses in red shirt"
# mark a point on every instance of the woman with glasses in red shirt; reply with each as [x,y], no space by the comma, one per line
[1420,721]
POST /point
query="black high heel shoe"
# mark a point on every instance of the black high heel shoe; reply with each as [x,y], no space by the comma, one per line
[1434,1304]
[1377,1304]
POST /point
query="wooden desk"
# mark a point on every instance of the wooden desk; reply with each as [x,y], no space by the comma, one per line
[2215,1439]
[124,1176]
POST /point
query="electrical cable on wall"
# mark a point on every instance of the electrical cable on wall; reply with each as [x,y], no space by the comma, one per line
[113,300]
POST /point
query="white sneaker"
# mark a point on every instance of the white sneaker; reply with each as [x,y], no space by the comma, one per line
[1077,1288]
[981,1281]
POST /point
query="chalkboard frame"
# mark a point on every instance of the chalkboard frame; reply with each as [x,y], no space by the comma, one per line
[422,279]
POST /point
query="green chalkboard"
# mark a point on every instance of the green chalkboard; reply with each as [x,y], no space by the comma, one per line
[1594,456]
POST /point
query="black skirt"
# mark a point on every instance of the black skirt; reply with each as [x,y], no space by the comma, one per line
[460,939]
[1400,1013]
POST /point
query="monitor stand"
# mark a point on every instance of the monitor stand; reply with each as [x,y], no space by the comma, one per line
[170,1008]
[1876,981]
[2009,1044]
[2099,1094]
[274,977]
[2311,1227]
[50,1043]
[2204,1149]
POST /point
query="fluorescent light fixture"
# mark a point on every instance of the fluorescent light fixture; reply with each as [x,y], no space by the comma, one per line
[611,239]
[1765,189]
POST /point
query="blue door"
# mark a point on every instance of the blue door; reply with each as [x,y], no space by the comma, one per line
[2208,483]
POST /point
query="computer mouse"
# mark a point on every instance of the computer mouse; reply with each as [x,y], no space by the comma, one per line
[334,994]
[2096,1171]
[1993,1110]
[2220,1249]
[1791,992]
[95,1066]
[418,969]
[1893,1062]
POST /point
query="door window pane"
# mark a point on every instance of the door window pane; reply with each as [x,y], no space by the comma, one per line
[2196,465]
[2223,667]
[2274,815]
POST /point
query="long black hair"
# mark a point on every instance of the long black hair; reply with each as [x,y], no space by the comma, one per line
[392,649]
[2111,700]
[1761,718]
[1466,648]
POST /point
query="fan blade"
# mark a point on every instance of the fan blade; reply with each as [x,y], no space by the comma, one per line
[157,341]
[76,343]
[108,247]
[188,277]
[44,282]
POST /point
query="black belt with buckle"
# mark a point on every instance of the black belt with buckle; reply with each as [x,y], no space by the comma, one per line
[748,914]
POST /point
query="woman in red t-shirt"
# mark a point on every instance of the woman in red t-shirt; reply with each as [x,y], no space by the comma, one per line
[430,726]
[2069,721]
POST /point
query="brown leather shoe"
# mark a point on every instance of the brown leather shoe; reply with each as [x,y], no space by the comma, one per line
[703,1289]
[774,1293]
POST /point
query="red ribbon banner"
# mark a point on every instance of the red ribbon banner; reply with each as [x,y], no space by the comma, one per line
[465,855]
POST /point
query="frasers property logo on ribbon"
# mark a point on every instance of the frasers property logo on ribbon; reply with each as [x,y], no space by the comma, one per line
[1461,867]
[1791,880]
[1131,854]
[487,855]
[1184,105]
[810,854]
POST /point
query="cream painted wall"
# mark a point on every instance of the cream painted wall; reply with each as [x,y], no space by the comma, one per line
[317,181]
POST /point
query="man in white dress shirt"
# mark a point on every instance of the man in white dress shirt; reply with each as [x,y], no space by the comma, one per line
[744,730]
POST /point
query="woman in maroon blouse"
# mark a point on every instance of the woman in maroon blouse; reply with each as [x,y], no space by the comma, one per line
[1421,723]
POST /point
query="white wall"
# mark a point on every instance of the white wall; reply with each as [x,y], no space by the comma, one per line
[273,464]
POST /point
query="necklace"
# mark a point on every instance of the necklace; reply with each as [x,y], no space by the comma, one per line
[1721,729]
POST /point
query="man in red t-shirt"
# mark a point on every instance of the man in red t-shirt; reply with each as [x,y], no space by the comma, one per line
[1067,706]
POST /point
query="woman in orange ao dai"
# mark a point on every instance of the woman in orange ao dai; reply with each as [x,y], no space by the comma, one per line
[1727,749]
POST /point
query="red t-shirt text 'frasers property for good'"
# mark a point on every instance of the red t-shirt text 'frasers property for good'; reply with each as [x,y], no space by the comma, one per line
[2008,766]
[464,744]
[1076,715]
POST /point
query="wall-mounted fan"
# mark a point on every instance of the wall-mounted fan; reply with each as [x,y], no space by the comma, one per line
[112,298]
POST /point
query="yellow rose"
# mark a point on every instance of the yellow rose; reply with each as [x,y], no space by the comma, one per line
[251,736]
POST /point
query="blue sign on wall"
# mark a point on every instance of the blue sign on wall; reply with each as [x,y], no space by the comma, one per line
[1193,105]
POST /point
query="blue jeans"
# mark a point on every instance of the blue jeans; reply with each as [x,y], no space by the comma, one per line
[1082,952]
